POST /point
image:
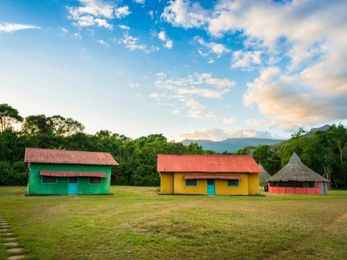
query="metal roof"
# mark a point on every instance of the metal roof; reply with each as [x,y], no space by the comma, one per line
[295,170]
[207,163]
[72,174]
[54,156]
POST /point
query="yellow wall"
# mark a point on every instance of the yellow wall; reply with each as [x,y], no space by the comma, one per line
[181,188]
[174,183]
[222,187]
[253,183]
[166,183]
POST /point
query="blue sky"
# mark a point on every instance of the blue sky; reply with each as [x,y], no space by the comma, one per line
[187,69]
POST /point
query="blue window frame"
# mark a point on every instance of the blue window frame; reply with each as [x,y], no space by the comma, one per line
[191,182]
[233,183]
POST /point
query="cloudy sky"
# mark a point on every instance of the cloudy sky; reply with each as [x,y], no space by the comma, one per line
[187,69]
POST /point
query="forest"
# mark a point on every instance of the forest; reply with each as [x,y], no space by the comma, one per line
[323,151]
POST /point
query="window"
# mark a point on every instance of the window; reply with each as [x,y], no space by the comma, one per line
[49,179]
[94,180]
[310,184]
[233,183]
[191,182]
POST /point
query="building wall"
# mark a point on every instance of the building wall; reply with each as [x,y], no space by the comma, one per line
[300,190]
[166,183]
[181,188]
[174,183]
[253,183]
[222,187]
[35,185]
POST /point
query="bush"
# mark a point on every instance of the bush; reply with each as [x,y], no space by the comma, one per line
[13,174]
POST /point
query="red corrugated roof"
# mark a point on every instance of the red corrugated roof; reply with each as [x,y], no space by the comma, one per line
[206,177]
[207,163]
[72,174]
[38,155]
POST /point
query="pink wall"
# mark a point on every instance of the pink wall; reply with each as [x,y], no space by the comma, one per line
[292,190]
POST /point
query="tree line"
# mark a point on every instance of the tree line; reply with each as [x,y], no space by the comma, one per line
[323,151]
[136,157]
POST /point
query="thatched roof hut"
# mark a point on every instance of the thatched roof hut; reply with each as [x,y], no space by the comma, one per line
[296,177]
[295,170]
[263,176]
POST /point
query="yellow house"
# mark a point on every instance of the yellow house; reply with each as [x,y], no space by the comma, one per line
[208,174]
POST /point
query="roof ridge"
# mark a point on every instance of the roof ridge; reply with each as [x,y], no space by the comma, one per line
[64,150]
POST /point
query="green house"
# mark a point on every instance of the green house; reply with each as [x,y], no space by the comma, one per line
[54,171]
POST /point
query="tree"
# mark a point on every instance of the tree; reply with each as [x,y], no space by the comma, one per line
[65,126]
[57,125]
[268,157]
[8,116]
[338,137]
[37,124]
[301,131]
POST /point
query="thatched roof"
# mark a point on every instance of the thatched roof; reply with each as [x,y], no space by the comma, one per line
[264,175]
[295,170]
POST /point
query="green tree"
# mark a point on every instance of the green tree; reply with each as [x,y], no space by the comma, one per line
[37,124]
[65,126]
[268,157]
[8,116]
[301,131]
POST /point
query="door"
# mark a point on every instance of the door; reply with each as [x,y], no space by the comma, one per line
[210,187]
[324,191]
[73,185]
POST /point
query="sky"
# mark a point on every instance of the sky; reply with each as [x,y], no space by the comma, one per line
[187,69]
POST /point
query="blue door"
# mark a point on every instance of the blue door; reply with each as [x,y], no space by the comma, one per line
[210,187]
[73,186]
[324,192]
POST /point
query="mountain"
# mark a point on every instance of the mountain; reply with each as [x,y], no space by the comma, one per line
[312,132]
[232,144]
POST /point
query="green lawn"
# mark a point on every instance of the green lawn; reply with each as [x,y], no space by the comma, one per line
[136,223]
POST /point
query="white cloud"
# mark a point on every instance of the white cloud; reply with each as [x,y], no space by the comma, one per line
[163,37]
[218,134]
[259,123]
[131,43]
[124,27]
[121,12]
[14,27]
[77,36]
[210,50]
[197,84]
[216,48]
[64,30]
[245,60]
[96,13]
[196,110]
[142,2]
[183,93]
[184,13]
[229,120]
[103,43]
[292,102]
[306,40]
[151,14]
[134,85]
[154,95]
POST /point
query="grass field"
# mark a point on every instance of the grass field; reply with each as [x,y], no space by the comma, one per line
[136,223]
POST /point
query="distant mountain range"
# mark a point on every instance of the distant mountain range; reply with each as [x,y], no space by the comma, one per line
[235,144]
[232,144]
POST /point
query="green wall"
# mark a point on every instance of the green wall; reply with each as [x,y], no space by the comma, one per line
[35,185]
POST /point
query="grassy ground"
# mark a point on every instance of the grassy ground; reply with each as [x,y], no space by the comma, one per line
[136,223]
